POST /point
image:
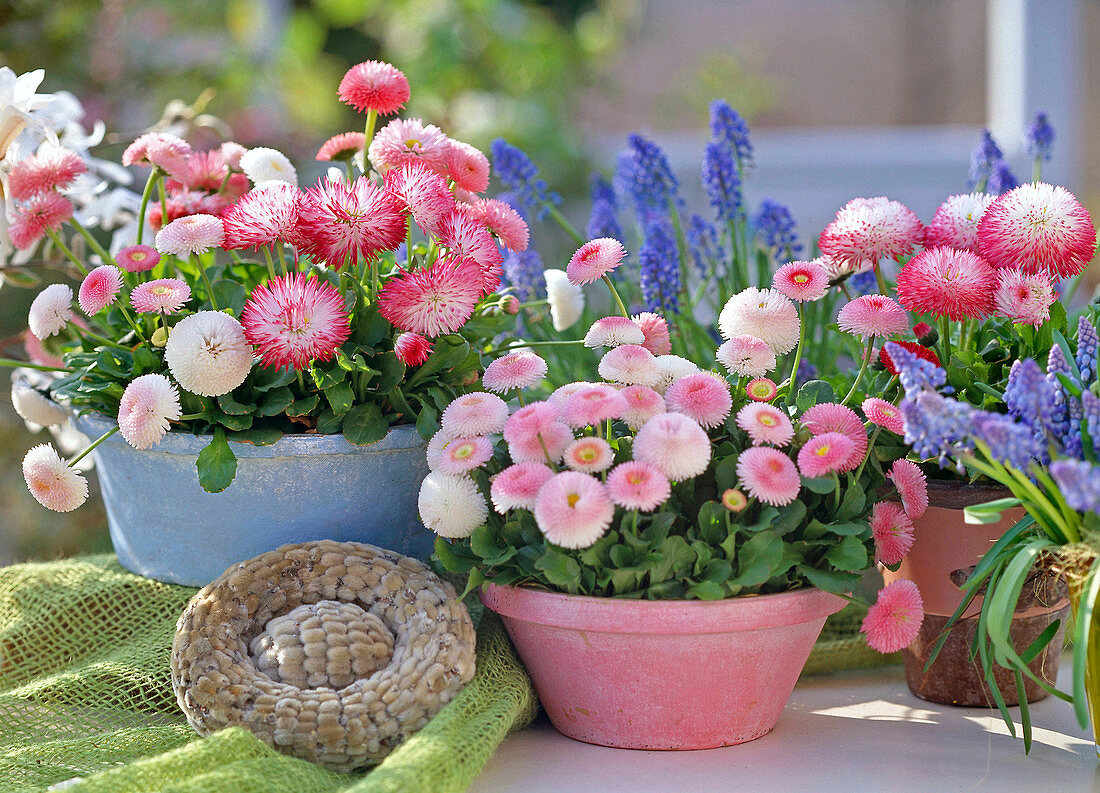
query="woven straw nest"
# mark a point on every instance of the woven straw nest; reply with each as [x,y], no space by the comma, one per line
[332,652]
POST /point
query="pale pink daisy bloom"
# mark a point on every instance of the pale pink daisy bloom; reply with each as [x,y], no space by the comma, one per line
[593,260]
[573,510]
[232,152]
[52,168]
[673,444]
[147,406]
[294,320]
[462,455]
[589,455]
[912,486]
[423,193]
[374,85]
[630,364]
[703,397]
[99,289]
[526,423]
[37,353]
[655,329]
[642,404]
[671,368]
[948,283]
[262,217]
[734,500]
[1039,228]
[1023,297]
[340,224]
[765,424]
[560,394]
[43,213]
[437,448]
[34,406]
[873,315]
[955,224]
[516,370]
[892,530]
[867,230]
[162,295]
[51,310]
[894,621]
[138,258]
[503,221]
[834,268]
[434,300]
[409,140]
[746,356]
[769,475]
[477,413]
[544,446]
[208,353]
[802,281]
[761,389]
[467,237]
[637,485]
[823,454]
[412,349]
[614,332]
[517,486]
[884,414]
[593,404]
[451,506]
[831,417]
[194,234]
[766,314]
[342,147]
[53,484]
[206,171]
[467,167]
[168,152]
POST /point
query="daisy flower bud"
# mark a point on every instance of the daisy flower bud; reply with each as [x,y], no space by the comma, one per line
[34,406]
[50,311]
[412,349]
[873,315]
[573,509]
[566,299]
[53,484]
[99,289]
[638,485]
[517,486]
[674,445]
[595,259]
[263,164]
[703,397]
[208,353]
[894,621]
[630,364]
[589,455]
[374,85]
[764,313]
[451,506]
[478,413]
[614,332]
[769,475]
[516,370]
[147,406]
[137,258]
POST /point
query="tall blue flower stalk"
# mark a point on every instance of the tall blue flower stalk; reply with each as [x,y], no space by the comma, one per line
[989,171]
[603,221]
[1039,143]
[520,176]
[727,126]
[659,261]
[775,230]
[722,181]
[644,174]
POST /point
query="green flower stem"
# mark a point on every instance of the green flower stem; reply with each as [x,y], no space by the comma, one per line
[862,371]
[270,262]
[206,280]
[146,194]
[350,169]
[945,338]
[14,364]
[92,241]
[566,226]
[1037,170]
[368,131]
[101,339]
[56,240]
[870,451]
[836,491]
[163,203]
[92,446]
[615,294]
[190,416]
[282,257]
[797,354]
[409,247]
[521,345]
[882,287]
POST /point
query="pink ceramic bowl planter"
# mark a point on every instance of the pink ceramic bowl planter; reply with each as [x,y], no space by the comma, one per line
[651,674]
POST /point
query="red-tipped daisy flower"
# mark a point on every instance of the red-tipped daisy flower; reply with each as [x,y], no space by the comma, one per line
[912,486]
[892,530]
[516,370]
[655,328]
[802,281]
[52,168]
[638,485]
[768,475]
[831,417]
[467,167]
[1040,228]
[99,289]
[873,315]
[595,259]
[138,258]
[423,193]
[409,140]
[867,230]
[894,621]
[262,217]
[503,221]
[294,320]
[764,313]
[823,454]
[162,295]
[880,412]
[412,349]
[642,404]
[761,389]
[43,213]
[434,300]
[703,397]
[340,223]
[1024,297]
[765,424]
[945,282]
[918,350]
[517,486]
[467,237]
[342,147]
[374,85]
[955,224]
[746,356]
[573,509]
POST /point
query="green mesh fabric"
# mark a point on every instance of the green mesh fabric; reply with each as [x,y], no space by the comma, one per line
[85,691]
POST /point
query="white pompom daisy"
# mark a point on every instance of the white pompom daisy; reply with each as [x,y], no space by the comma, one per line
[263,164]
[51,311]
[208,353]
[147,405]
[54,484]
[764,313]
[614,332]
[450,505]
[566,299]
[34,406]
[671,368]
[630,364]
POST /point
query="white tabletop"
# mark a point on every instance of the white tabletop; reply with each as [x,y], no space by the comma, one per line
[849,732]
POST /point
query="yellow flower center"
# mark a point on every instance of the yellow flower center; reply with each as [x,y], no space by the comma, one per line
[768,421]
[822,450]
[801,278]
[161,290]
[573,498]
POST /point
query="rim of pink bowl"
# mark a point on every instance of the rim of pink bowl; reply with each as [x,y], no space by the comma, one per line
[625,615]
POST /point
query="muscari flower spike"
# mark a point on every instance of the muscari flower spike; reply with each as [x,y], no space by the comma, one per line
[727,126]
[703,244]
[722,182]
[1087,345]
[603,220]
[775,229]
[520,175]
[1039,137]
[982,159]
[659,261]
[645,175]
[1079,482]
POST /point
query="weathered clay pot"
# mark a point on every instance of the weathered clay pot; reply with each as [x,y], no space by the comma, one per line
[944,544]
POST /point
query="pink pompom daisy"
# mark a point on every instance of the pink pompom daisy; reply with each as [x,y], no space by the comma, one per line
[467,167]
[892,530]
[517,486]
[162,295]
[823,454]
[51,481]
[526,423]
[437,447]
[894,621]
[544,446]
[589,455]
[194,234]
[638,485]
[802,281]
[831,417]
[955,224]
[912,486]
[593,404]
[734,500]
[703,397]
[342,147]
[761,389]
[884,414]
[461,455]
[294,320]
[168,152]
[340,224]
[51,310]
[765,424]
[516,370]
[593,260]
[44,212]
[477,413]
[467,237]
[873,315]
[409,140]
[138,258]
[433,300]
[746,356]
[655,329]
[52,168]
[630,364]
[374,85]
[412,349]
[262,217]
[1039,228]
[768,475]
[945,282]
[764,313]
[642,404]
[1023,297]
[560,394]
[147,406]
[573,509]
[867,230]
[674,445]
[614,332]
[231,152]
[99,289]
[424,194]
[504,222]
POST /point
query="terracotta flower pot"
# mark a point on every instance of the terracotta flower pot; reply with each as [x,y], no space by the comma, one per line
[652,674]
[943,544]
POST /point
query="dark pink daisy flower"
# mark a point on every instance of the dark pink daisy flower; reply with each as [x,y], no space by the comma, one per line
[99,289]
[374,85]
[434,300]
[467,167]
[412,349]
[342,147]
[262,217]
[138,258]
[168,152]
[424,194]
[294,320]
[467,237]
[43,212]
[340,224]
[894,621]
[504,221]
[945,282]
[52,168]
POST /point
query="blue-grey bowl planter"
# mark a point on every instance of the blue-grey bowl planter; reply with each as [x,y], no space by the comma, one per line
[302,487]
